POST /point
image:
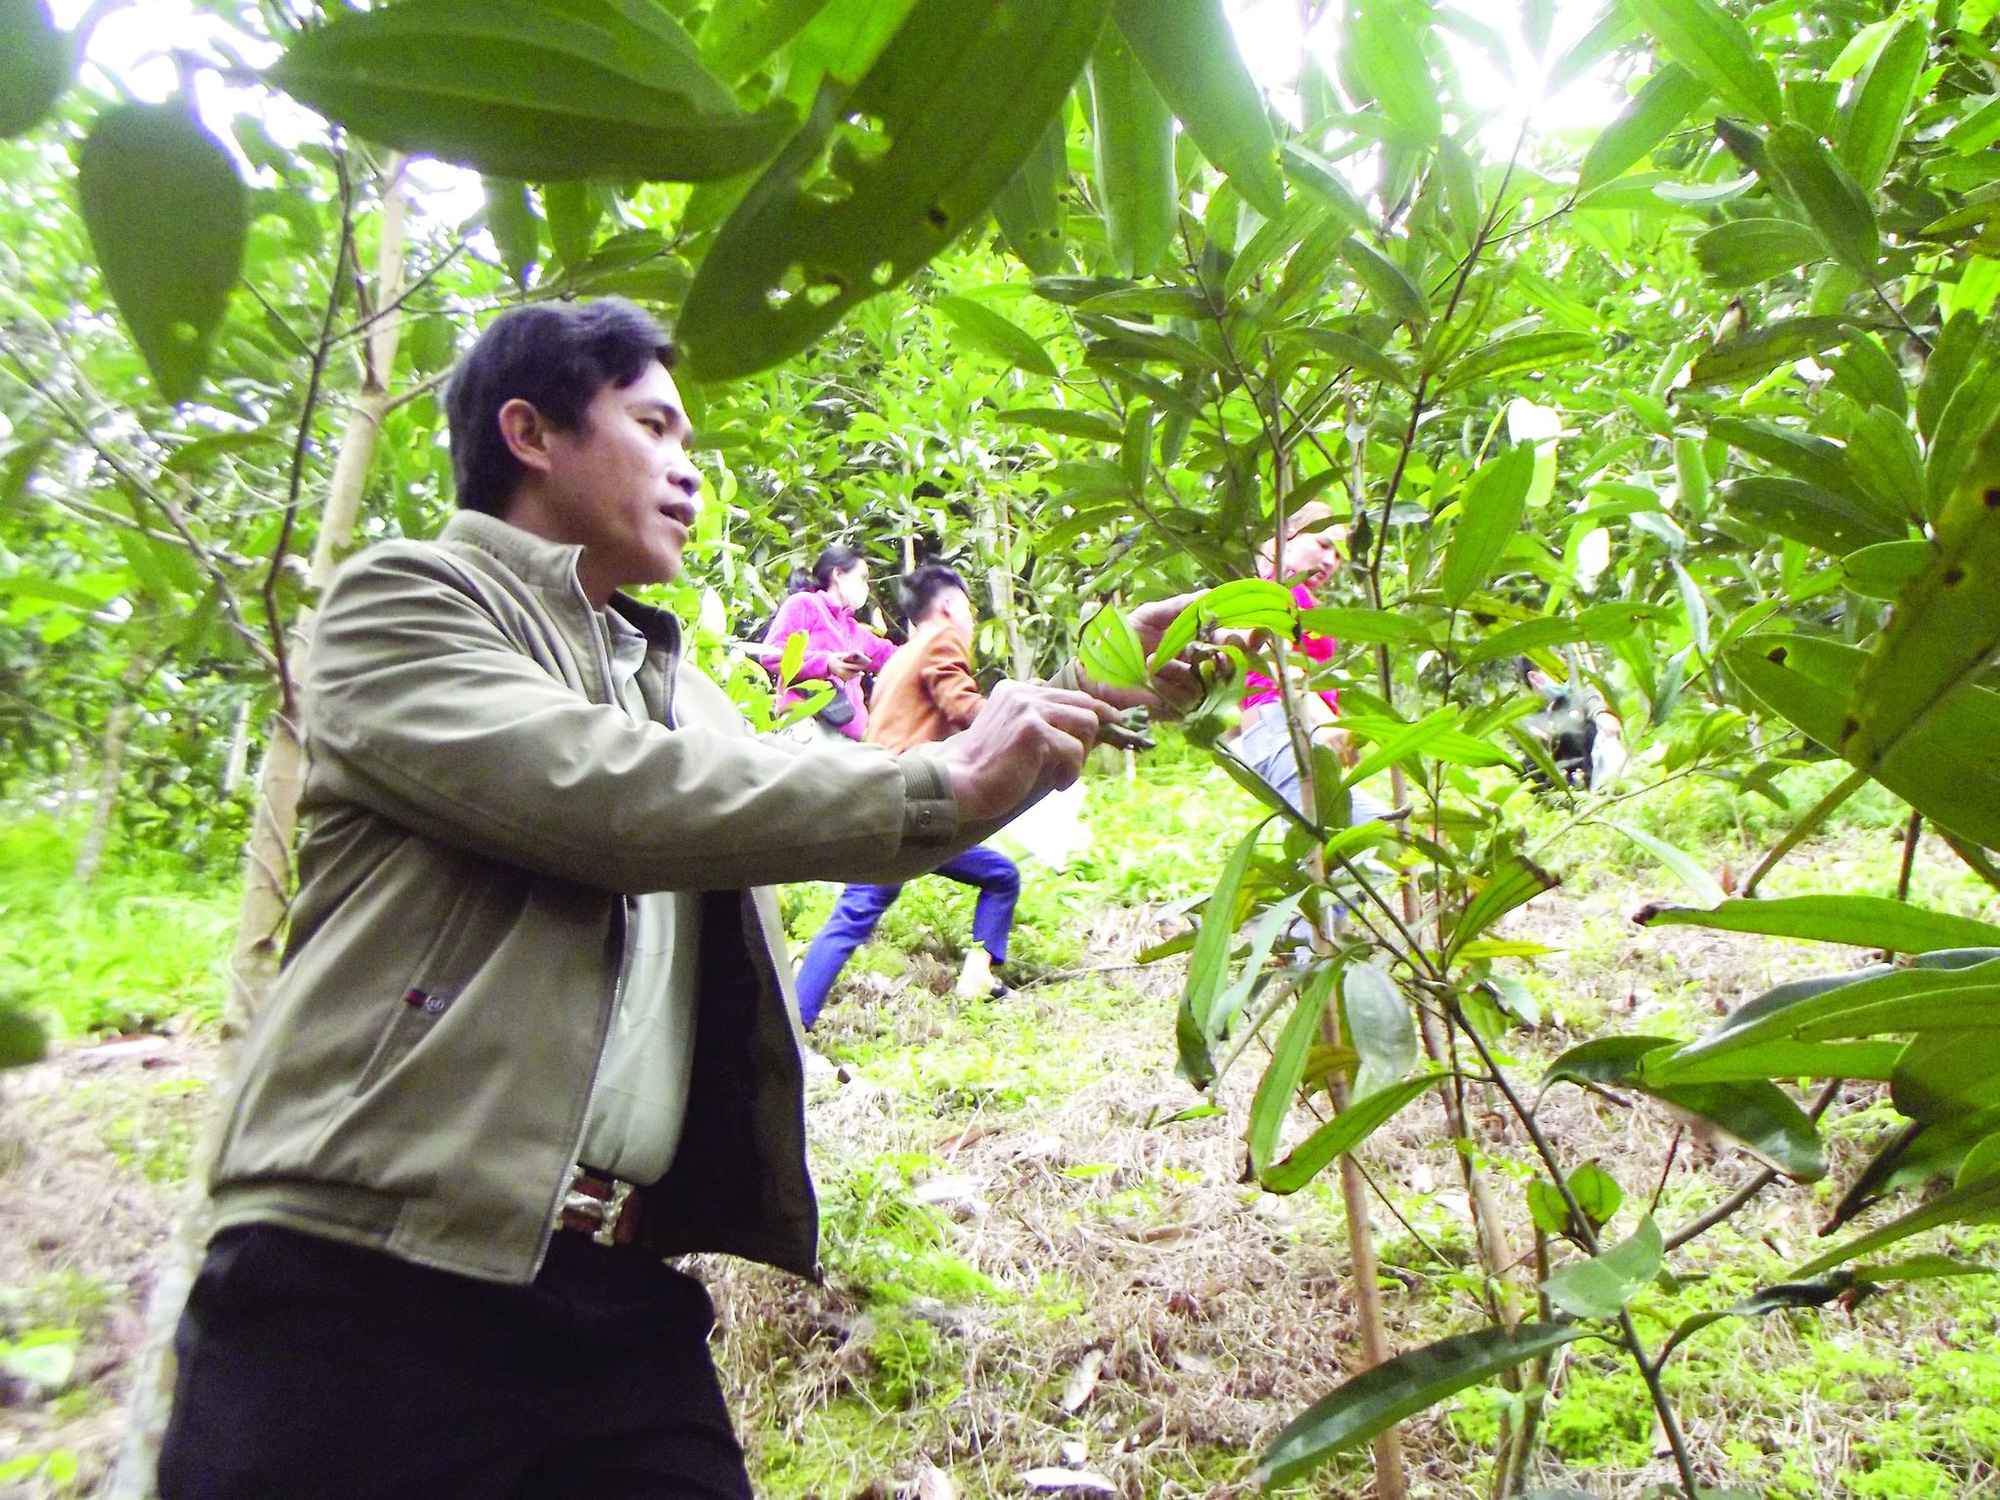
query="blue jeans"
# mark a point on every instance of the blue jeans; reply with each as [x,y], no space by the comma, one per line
[1266,748]
[860,907]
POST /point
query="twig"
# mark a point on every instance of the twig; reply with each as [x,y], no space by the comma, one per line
[1815,815]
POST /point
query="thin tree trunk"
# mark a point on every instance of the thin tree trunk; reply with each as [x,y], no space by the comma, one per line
[266,868]
[111,769]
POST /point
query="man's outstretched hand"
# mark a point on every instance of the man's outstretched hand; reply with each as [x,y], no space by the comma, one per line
[1027,741]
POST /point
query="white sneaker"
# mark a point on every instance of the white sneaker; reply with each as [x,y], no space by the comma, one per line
[819,1067]
[975,980]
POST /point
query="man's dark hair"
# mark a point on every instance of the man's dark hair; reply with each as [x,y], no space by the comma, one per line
[556,356]
[835,557]
[920,590]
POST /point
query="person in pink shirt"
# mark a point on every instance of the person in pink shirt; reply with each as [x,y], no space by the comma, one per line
[839,648]
[1307,557]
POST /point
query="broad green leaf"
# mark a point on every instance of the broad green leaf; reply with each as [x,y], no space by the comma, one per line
[544,91]
[1752,354]
[1919,1268]
[168,218]
[1801,454]
[34,65]
[1320,176]
[1942,767]
[1689,870]
[1883,458]
[793,658]
[1973,1202]
[1134,143]
[1863,921]
[1898,1002]
[1351,351]
[739,36]
[1601,623]
[1832,200]
[1378,1399]
[1490,511]
[1945,628]
[1601,1286]
[1542,353]
[1950,358]
[1251,604]
[1779,1060]
[1806,513]
[1596,1192]
[1378,1026]
[1884,570]
[572,209]
[1744,252]
[1032,210]
[880,179]
[1669,97]
[1342,1134]
[512,223]
[1388,59]
[1758,1115]
[1871,126]
[1366,626]
[1957,437]
[1864,372]
[1280,1083]
[1946,1075]
[1209,962]
[1714,46]
[1387,282]
[991,333]
[1110,651]
[1514,882]
[1189,50]
[1080,424]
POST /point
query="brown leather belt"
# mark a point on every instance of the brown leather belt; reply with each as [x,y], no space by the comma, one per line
[610,1211]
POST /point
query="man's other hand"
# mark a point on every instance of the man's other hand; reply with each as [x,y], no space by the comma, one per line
[1027,741]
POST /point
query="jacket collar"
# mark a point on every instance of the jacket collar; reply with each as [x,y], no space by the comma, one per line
[550,565]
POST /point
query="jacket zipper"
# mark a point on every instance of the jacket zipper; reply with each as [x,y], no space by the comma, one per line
[601,651]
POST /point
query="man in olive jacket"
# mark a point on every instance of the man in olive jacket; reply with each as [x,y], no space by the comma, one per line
[533,1031]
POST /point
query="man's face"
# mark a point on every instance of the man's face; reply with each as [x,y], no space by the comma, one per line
[623,485]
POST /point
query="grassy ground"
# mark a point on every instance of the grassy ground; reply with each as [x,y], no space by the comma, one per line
[1032,1263]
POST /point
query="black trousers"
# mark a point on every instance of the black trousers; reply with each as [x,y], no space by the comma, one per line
[310,1369]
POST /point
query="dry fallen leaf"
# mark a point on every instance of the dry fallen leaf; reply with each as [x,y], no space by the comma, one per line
[1083,1380]
[934,1484]
[1051,1481]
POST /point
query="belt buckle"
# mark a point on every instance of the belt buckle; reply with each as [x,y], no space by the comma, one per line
[607,1212]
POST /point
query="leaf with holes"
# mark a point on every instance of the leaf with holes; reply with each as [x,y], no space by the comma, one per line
[881,178]
[167,217]
[1032,208]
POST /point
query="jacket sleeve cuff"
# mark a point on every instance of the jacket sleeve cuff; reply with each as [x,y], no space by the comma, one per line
[930,812]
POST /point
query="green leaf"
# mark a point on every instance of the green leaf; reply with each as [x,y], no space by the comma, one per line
[1081,424]
[1134,143]
[34,65]
[1601,1286]
[1110,650]
[1513,882]
[1366,626]
[1379,1398]
[1715,47]
[1388,60]
[1806,513]
[1351,352]
[1318,175]
[1946,1075]
[1956,437]
[1945,628]
[1031,209]
[1490,512]
[1378,1026]
[1884,570]
[1601,622]
[1280,1083]
[512,223]
[1950,358]
[1920,1268]
[1973,1202]
[1189,51]
[545,91]
[1342,1134]
[22,1040]
[1802,454]
[739,36]
[1779,1060]
[1882,455]
[1387,282]
[793,658]
[1744,252]
[1832,199]
[1669,97]
[168,218]
[1753,353]
[990,333]
[1685,866]
[1942,767]
[1542,352]
[1865,372]
[1209,962]
[1596,1192]
[1871,127]
[573,211]
[1864,921]
[878,181]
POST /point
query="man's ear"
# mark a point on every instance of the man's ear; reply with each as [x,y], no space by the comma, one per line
[526,433]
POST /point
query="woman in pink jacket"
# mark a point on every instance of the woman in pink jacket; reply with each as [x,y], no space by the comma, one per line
[839,648]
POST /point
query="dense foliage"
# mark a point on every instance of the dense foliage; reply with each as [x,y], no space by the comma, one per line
[1698,405]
